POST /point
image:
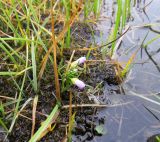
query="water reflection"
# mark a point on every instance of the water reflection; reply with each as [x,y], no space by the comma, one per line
[138,120]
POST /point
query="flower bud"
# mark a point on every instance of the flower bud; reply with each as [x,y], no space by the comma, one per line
[79,61]
[80,84]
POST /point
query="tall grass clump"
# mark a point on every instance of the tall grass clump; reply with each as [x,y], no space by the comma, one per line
[122,14]
[92,6]
[22,35]
[125,12]
[97,7]
[29,46]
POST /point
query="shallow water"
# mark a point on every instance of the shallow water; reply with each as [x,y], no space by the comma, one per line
[134,122]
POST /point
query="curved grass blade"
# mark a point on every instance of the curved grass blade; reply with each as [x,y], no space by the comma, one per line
[45,124]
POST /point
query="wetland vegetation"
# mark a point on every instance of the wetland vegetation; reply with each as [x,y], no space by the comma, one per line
[79,70]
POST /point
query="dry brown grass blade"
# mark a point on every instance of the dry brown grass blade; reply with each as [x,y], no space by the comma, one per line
[65,139]
[72,19]
[95,105]
[34,114]
[25,117]
[70,114]
[55,67]
[131,59]
[108,62]
[69,63]
[118,68]
[7,98]
[60,36]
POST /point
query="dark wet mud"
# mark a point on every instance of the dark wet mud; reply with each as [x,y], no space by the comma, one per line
[131,122]
[97,74]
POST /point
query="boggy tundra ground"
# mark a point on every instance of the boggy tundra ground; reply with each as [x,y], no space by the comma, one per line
[97,73]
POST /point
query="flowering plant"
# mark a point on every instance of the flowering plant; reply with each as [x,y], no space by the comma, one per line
[80,84]
[79,61]
[71,75]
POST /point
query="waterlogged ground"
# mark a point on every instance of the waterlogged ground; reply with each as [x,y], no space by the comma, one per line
[132,118]
[140,119]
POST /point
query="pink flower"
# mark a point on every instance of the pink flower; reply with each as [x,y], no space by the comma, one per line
[79,61]
[80,84]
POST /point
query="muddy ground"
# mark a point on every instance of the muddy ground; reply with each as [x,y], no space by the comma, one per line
[97,73]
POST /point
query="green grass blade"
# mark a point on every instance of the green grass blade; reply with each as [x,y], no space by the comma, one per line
[152,40]
[8,53]
[96,7]
[3,125]
[13,51]
[124,13]
[45,124]
[8,73]
[20,94]
[117,24]
[34,67]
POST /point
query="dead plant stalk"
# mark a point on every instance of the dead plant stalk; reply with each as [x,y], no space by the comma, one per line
[57,86]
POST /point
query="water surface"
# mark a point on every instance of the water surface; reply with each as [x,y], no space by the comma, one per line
[134,122]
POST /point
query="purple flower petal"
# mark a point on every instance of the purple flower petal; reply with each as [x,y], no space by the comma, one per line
[80,84]
[79,61]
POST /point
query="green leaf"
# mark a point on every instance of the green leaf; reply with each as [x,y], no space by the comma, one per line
[100,129]
[45,124]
